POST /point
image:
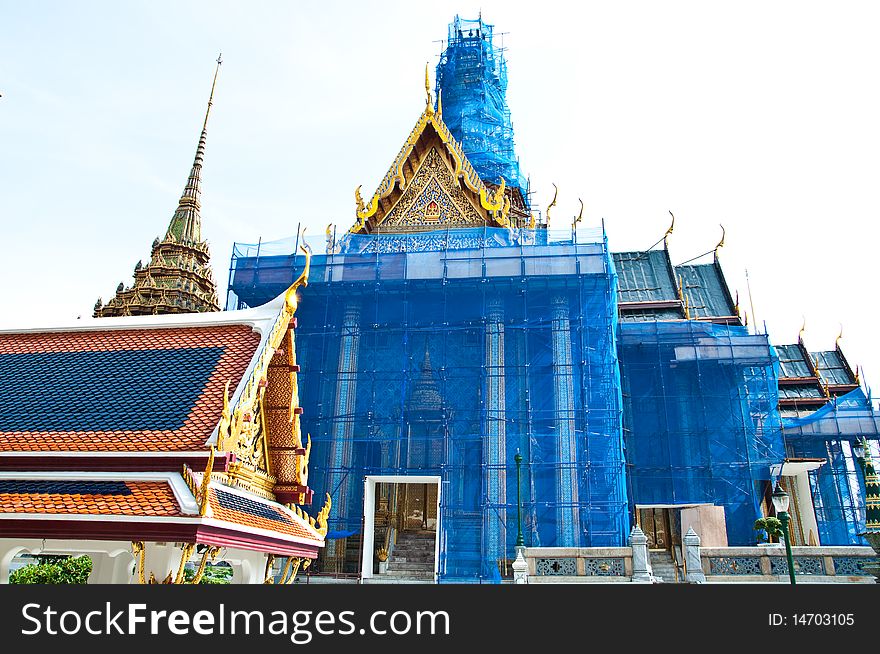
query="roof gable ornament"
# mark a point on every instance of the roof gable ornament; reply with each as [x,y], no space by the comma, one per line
[550,206]
[263,428]
[492,205]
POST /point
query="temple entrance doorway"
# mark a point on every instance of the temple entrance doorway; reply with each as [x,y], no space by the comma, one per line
[401,527]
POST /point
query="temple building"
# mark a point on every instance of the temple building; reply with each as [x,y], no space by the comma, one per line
[163,435]
[453,324]
[466,373]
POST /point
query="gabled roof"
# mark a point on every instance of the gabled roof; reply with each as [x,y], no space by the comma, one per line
[157,506]
[431,166]
[708,297]
[88,497]
[645,277]
[834,369]
[134,384]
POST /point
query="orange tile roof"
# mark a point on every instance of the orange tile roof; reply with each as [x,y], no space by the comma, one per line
[236,345]
[284,523]
[145,498]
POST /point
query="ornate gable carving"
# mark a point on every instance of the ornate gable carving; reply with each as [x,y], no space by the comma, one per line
[431,184]
[433,199]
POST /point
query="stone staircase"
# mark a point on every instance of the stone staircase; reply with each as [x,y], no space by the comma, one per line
[412,559]
[663,567]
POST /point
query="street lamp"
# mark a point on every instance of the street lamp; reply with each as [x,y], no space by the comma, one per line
[780,503]
[519,535]
[858,449]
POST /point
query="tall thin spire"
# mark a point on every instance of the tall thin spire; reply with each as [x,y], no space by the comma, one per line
[186,223]
[178,277]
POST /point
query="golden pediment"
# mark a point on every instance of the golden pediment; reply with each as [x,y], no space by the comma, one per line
[430,185]
[433,199]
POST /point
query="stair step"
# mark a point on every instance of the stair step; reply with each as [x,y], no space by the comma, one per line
[407,575]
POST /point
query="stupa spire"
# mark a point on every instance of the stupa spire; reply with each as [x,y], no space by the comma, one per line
[186,223]
[178,277]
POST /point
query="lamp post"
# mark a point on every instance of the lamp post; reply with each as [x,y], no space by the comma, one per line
[519,535]
[780,503]
[858,450]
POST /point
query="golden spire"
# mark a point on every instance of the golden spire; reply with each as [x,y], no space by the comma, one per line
[200,151]
[839,336]
[801,332]
[439,103]
[430,108]
[551,205]
[191,284]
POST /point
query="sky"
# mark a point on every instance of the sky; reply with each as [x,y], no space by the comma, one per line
[762,117]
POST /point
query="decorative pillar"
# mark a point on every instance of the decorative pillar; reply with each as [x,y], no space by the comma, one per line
[338,480]
[567,514]
[642,573]
[520,567]
[494,444]
[692,558]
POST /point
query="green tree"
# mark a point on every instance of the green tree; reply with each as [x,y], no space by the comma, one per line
[54,571]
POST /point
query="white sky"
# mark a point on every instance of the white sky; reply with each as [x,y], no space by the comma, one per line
[761,116]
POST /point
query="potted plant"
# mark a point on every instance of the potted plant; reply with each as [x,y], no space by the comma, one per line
[770,526]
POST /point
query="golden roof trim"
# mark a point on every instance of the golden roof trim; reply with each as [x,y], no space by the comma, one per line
[496,203]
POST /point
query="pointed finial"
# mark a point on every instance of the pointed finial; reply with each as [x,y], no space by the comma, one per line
[213,85]
[579,217]
[669,231]
[801,332]
[428,103]
[551,205]
[439,103]
[720,243]
[839,336]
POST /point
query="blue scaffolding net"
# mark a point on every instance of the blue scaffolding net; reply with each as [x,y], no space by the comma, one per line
[442,355]
[702,424]
[472,85]
[838,487]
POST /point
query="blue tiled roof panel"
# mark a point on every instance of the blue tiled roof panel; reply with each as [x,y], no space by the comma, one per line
[235,502]
[152,389]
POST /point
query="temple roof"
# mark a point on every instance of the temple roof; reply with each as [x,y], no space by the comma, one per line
[88,497]
[649,287]
[126,506]
[808,380]
[431,184]
[708,297]
[146,388]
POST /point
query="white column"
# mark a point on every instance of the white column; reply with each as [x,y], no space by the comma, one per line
[343,409]
[642,573]
[247,567]
[567,514]
[9,549]
[494,446]
[692,558]
[520,567]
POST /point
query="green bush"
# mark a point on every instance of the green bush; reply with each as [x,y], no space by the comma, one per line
[214,574]
[54,571]
[771,526]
